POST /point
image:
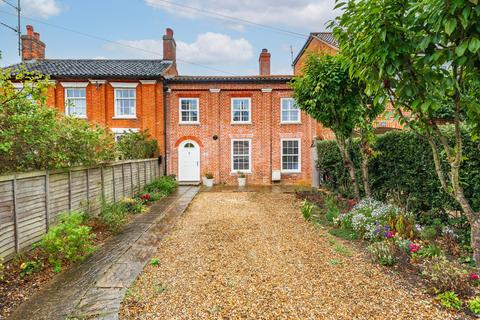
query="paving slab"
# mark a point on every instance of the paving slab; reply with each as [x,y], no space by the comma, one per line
[95,288]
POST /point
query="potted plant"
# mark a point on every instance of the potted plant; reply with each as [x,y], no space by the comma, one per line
[208,181]
[242,179]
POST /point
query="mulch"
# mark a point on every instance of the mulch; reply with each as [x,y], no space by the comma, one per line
[251,255]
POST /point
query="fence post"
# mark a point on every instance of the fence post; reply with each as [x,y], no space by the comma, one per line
[113,183]
[103,183]
[88,189]
[69,191]
[131,180]
[47,199]
[123,179]
[15,218]
[138,175]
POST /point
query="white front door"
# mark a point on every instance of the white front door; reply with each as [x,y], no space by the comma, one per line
[188,161]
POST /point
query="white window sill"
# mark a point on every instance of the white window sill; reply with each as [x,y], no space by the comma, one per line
[235,173]
[124,118]
[290,122]
[240,123]
[189,123]
[78,117]
[290,171]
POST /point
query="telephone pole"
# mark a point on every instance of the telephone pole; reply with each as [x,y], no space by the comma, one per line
[16,29]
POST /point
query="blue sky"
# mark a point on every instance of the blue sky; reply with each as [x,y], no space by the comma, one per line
[137,26]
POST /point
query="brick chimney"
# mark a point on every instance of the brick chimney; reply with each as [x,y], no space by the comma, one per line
[264,63]
[32,47]
[169,46]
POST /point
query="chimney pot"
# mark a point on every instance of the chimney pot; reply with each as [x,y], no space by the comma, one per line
[36,35]
[169,32]
[264,63]
[29,30]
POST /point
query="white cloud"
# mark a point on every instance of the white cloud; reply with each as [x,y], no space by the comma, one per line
[40,8]
[309,14]
[209,49]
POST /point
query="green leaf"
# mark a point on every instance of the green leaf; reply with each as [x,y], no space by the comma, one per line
[460,50]
[450,26]
[339,5]
[474,45]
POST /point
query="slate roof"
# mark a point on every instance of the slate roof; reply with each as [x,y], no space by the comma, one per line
[97,68]
[237,79]
[326,37]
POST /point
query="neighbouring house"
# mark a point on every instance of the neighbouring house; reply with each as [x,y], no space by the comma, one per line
[229,124]
[123,95]
[324,43]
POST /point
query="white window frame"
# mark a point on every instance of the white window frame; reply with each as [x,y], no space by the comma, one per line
[66,87]
[180,121]
[124,85]
[19,87]
[249,121]
[299,170]
[281,113]
[249,156]
[118,132]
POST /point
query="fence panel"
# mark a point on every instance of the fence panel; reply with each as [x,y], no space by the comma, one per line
[30,202]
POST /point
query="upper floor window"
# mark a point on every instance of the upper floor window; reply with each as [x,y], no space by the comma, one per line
[76,102]
[125,103]
[290,155]
[290,113]
[189,112]
[241,110]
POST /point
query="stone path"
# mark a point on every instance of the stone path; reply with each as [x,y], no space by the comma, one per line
[251,255]
[96,287]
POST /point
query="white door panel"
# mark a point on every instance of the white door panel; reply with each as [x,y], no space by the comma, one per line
[189,161]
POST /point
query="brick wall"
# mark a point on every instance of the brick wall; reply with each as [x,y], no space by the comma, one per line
[100,106]
[265,131]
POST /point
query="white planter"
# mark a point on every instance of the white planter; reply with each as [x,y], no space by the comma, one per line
[208,182]
[242,182]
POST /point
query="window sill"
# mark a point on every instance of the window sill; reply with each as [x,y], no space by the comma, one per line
[240,123]
[287,172]
[189,123]
[124,118]
[235,173]
[287,123]
[77,117]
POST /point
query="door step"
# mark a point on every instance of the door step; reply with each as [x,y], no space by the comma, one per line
[189,183]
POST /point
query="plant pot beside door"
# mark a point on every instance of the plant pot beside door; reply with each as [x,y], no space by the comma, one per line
[208,180]
[242,179]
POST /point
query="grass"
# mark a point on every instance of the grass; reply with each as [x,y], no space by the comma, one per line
[344,251]
[335,262]
[345,234]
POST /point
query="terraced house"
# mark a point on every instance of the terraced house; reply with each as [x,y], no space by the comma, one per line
[203,124]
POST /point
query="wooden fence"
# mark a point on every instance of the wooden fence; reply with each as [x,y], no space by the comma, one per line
[30,202]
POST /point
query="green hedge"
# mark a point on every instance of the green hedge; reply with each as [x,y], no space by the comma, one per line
[402,170]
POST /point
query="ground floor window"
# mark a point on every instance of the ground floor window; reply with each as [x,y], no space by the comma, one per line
[290,155]
[241,155]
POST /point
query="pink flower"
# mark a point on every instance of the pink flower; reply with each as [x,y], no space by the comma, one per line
[351,203]
[414,247]
[145,196]
[474,276]
[389,234]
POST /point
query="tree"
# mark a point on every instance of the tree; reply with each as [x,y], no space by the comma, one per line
[328,94]
[35,136]
[423,54]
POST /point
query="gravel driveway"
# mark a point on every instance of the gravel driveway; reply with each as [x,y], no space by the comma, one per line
[251,255]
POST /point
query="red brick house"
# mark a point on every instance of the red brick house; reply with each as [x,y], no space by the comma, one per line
[122,95]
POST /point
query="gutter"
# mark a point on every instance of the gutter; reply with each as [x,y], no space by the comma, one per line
[165,91]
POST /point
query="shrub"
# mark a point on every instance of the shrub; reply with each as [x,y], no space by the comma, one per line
[347,234]
[333,212]
[307,209]
[370,218]
[383,252]
[443,275]
[402,170]
[428,233]
[474,305]
[134,206]
[429,251]
[114,216]
[155,262]
[29,267]
[137,145]
[164,185]
[69,240]
[449,300]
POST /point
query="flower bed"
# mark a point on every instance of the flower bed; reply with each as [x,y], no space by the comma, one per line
[391,237]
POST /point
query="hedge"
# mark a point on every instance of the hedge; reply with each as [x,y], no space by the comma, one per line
[402,170]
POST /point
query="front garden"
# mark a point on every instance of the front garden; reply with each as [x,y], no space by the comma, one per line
[74,237]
